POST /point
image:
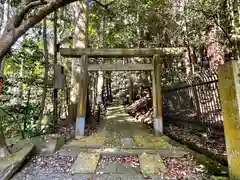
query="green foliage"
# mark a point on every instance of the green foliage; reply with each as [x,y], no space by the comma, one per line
[21,106]
[28,58]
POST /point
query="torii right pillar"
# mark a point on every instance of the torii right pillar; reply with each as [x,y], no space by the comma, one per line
[229,81]
[157,95]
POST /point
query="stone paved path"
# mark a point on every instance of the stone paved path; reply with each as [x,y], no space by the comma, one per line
[121,136]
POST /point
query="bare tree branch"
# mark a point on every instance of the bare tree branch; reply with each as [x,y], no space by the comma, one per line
[104,5]
[223,30]
[7,39]
[19,17]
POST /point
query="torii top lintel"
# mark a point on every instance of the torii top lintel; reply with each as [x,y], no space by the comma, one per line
[121,52]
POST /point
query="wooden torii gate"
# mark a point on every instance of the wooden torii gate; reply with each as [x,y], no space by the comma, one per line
[156,53]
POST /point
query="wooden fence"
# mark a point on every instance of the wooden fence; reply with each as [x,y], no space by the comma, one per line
[196,100]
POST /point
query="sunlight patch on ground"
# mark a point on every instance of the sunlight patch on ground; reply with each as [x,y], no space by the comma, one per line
[95,139]
[150,142]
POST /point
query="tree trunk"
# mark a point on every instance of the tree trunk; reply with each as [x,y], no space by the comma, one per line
[20,85]
[46,67]
[100,88]
[130,90]
[2,10]
[79,41]
[110,87]
[107,86]
[101,73]
[94,92]
[55,91]
[3,145]
[26,112]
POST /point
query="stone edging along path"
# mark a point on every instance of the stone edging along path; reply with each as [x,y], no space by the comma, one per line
[221,159]
[214,167]
[10,164]
[45,144]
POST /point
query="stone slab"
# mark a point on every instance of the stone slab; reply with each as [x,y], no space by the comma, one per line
[127,169]
[72,151]
[45,144]
[127,142]
[107,152]
[118,168]
[151,164]
[10,164]
[65,176]
[150,141]
[218,178]
[167,153]
[85,163]
[110,168]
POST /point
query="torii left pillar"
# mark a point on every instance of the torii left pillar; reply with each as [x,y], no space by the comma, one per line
[81,37]
[157,95]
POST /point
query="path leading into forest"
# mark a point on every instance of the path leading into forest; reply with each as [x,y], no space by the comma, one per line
[122,149]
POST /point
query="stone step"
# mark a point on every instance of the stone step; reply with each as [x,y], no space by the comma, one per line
[174,152]
[119,168]
[75,150]
[64,176]
[86,163]
[151,164]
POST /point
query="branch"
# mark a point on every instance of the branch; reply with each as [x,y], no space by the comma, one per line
[99,3]
[223,30]
[43,12]
[104,5]
[7,113]
[214,17]
[18,18]
[27,24]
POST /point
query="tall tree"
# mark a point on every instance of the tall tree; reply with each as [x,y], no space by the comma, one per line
[46,66]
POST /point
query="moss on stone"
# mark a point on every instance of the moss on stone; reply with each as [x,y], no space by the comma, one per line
[44,144]
[218,178]
[229,90]
[151,142]
[151,164]
[85,163]
[212,166]
[93,140]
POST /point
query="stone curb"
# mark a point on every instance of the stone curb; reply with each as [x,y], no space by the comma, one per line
[10,164]
[213,166]
[118,153]
[219,158]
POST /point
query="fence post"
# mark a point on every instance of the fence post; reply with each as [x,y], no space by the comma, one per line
[157,95]
[229,81]
[197,103]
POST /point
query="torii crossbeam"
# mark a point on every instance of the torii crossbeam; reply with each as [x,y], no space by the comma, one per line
[121,52]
